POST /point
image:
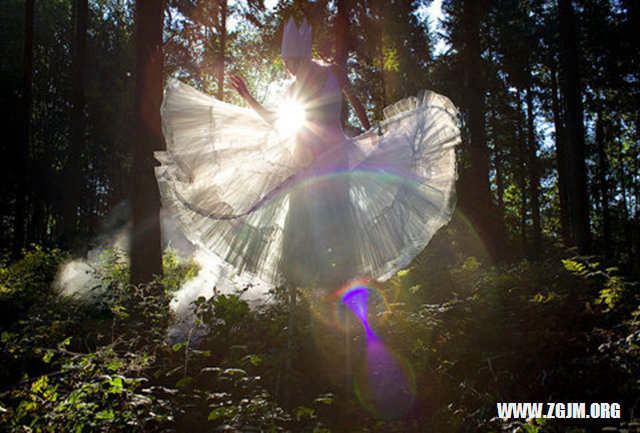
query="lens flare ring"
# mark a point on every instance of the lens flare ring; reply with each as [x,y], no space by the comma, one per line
[386,385]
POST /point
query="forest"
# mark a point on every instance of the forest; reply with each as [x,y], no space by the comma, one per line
[529,294]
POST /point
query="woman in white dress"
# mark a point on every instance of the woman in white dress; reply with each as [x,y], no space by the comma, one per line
[313,208]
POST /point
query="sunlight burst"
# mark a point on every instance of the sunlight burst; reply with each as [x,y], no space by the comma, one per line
[291,117]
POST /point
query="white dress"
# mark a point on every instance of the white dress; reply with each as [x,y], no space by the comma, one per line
[317,209]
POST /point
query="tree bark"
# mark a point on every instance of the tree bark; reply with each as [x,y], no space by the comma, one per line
[25,148]
[522,176]
[497,166]
[633,18]
[603,172]
[341,32]
[118,176]
[222,38]
[627,222]
[73,179]
[291,347]
[383,77]
[475,190]
[561,161]
[533,171]
[146,245]
[636,225]
[578,194]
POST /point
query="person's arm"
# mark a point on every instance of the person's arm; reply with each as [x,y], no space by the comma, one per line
[240,86]
[345,86]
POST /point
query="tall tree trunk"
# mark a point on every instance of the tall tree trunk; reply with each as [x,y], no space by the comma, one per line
[291,349]
[222,38]
[603,173]
[73,178]
[633,18]
[627,223]
[341,32]
[383,81]
[522,176]
[499,186]
[476,193]
[146,245]
[37,198]
[497,166]
[119,186]
[533,171]
[25,147]
[561,160]
[578,194]
[635,167]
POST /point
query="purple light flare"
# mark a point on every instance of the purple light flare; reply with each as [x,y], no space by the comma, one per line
[387,386]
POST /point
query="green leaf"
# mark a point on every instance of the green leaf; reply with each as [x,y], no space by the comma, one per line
[304,411]
[105,414]
[176,347]
[116,385]
[217,413]
[234,372]
[220,412]
[325,398]
[184,382]
[74,397]
[64,343]
[254,360]
[39,384]
[415,289]
[216,370]
[114,365]
[47,356]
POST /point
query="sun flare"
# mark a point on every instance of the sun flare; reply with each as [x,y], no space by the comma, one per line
[291,117]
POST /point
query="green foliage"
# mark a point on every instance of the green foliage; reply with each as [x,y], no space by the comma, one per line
[472,335]
[72,390]
[107,366]
[32,316]
[98,391]
[613,285]
[113,268]
[503,332]
[176,270]
[28,280]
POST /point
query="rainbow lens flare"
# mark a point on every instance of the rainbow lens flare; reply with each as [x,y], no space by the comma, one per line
[385,385]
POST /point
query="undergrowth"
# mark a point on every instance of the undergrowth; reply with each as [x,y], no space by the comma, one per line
[560,330]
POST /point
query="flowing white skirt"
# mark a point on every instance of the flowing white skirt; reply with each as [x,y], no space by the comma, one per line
[311,212]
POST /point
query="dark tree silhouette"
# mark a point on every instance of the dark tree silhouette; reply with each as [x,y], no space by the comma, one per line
[603,185]
[578,194]
[23,152]
[521,174]
[146,248]
[475,192]
[73,176]
[561,158]
[221,28]
[533,170]
[341,31]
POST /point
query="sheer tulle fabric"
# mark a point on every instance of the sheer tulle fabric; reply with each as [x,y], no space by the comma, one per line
[312,211]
